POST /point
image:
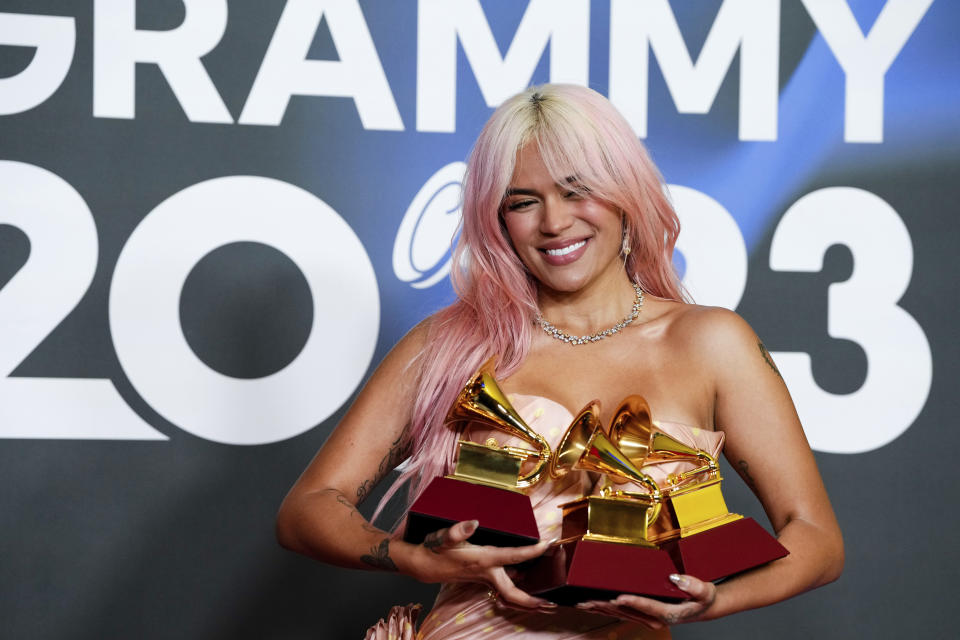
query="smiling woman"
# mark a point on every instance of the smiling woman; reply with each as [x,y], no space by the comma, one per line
[563,234]
[565,226]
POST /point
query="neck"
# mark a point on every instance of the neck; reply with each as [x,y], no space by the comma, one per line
[590,309]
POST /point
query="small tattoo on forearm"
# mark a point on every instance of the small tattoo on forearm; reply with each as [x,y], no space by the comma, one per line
[745,469]
[363,490]
[768,359]
[389,461]
[434,541]
[379,557]
[342,499]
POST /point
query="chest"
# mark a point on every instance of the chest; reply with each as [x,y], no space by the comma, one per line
[674,382]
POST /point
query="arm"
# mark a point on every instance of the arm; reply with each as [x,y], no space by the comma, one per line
[318,518]
[766,445]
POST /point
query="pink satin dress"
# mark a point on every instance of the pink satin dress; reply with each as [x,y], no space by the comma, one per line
[465,610]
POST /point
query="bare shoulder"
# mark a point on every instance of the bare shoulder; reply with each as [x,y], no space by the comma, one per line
[400,369]
[710,330]
[411,345]
[416,338]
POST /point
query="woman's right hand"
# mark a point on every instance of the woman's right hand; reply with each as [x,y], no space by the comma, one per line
[446,556]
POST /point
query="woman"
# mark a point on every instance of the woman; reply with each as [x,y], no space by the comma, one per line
[566,233]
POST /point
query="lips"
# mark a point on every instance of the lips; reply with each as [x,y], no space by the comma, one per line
[565,250]
[561,253]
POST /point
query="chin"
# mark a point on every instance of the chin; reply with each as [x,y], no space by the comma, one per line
[564,285]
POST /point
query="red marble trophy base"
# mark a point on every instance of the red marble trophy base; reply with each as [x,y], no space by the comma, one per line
[725,550]
[506,517]
[580,570]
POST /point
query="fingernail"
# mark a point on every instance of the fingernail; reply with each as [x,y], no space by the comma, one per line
[584,605]
[548,605]
[473,524]
[677,579]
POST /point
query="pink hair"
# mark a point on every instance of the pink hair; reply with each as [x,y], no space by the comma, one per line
[579,133]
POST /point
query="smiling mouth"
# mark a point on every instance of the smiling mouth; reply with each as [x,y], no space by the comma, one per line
[565,250]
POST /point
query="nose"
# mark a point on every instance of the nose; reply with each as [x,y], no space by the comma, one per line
[555,216]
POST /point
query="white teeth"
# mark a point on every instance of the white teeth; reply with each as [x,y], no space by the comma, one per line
[567,249]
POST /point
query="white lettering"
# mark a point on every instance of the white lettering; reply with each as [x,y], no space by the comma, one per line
[565,24]
[286,71]
[864,309]
[423,246]
[145,320]
[865,60]
[118,46]
[54,38]
[753,27]
[46,289]
[713,248]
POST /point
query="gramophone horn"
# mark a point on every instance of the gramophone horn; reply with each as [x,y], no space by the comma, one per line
[576,440]
[602,455]
[634,433]
[482,400]
[586,446]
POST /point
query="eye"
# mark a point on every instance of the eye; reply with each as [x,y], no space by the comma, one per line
[520,204]
[572,195]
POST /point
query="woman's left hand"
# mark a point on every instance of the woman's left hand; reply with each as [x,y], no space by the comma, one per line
[654,613]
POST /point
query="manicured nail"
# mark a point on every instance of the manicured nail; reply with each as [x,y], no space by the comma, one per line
[473,525]
[677,579]
[584,605]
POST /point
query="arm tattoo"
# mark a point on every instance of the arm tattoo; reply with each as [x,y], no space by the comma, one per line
[392,458]
[364,489]
[768,359]
[342,499]
[745,470]
[434,541]
[379,556]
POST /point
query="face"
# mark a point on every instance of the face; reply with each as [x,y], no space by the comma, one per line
[567,240]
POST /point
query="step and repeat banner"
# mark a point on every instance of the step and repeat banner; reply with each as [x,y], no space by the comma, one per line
[216,217]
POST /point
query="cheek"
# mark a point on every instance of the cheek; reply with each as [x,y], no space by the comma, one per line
[517,229]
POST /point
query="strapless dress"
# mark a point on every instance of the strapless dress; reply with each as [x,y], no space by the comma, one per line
[465,610]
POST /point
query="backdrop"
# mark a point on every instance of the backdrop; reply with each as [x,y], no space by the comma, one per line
[216,217]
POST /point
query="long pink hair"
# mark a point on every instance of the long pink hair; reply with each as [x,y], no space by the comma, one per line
[579,133]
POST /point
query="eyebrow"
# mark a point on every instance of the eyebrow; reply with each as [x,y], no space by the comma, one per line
[513,191]
[521,192]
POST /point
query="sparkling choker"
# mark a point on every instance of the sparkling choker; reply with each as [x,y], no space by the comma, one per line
[600,335]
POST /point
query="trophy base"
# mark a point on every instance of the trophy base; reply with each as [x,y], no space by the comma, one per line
[505,516]
[581,569]
[725,550]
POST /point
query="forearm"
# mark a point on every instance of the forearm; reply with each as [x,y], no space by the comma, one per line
[326,526]
[816,558]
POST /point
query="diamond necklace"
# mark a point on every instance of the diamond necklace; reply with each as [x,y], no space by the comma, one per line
[600,335]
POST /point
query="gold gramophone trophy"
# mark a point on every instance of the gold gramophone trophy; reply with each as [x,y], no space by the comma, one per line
[486,483]
[608,541]
[631,541]
[694,526]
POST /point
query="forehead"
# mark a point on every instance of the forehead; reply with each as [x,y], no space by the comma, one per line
[530,170]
